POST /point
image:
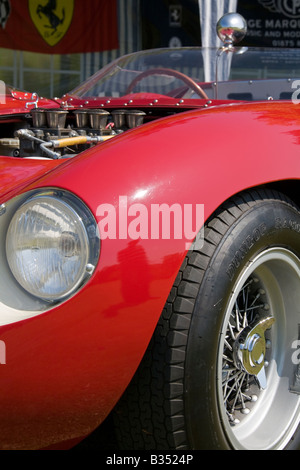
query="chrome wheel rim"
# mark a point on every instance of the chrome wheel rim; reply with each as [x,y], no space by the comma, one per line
[256,371]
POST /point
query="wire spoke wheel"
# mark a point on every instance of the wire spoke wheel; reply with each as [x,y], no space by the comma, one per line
[240,387]
[255,355]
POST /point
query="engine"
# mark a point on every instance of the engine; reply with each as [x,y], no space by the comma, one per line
[63,133]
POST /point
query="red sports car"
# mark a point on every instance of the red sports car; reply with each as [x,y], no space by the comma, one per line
[150,253]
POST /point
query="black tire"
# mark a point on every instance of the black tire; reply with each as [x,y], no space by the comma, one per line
[176,399]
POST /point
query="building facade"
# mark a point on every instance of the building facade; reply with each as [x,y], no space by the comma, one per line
[141,24]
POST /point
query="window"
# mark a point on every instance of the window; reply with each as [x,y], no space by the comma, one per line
[48,75]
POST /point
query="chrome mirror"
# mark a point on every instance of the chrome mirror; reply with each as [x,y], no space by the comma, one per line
[231,29]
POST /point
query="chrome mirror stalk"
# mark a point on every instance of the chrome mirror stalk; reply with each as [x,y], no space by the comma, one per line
[231,29]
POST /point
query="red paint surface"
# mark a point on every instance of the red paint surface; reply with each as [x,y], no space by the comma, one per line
[67,368]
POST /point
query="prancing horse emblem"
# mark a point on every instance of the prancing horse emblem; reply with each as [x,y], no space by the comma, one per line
[52,18]
[49,11]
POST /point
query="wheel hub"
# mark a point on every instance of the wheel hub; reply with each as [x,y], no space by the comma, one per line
[250,349]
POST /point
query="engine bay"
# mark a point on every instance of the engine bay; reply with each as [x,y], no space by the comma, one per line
[63,133]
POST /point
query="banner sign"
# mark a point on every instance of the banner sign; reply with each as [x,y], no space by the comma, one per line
[271,23]
[59,26]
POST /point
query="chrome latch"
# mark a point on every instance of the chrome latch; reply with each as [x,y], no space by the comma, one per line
[35,99]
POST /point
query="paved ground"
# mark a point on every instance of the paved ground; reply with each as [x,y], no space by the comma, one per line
[101,439]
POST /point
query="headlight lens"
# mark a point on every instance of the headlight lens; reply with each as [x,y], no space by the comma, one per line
[52,245]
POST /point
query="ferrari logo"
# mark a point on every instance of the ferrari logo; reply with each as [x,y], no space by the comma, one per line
[52,18]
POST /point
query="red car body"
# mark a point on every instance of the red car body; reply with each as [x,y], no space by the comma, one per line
[66,368]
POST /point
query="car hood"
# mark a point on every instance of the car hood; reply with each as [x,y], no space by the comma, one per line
[19,173]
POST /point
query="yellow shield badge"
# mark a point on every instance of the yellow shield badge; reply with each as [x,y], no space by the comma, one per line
[52,18]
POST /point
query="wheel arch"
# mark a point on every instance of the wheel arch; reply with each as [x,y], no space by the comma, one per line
[288,187]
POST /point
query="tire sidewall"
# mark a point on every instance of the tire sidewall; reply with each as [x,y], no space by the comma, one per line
[269,223]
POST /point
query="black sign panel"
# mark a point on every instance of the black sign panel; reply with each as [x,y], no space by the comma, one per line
[170,23]
[271,23]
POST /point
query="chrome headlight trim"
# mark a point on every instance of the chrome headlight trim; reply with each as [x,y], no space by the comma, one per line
[52,244]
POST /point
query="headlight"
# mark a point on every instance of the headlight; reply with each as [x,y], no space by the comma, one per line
[52,245]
